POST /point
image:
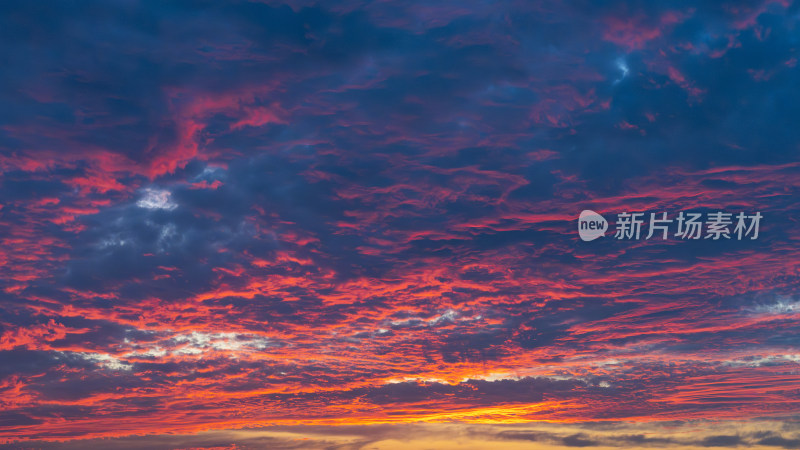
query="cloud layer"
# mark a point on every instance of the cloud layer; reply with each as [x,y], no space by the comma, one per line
[250,214]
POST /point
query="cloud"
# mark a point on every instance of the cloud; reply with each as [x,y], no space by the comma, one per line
[156,199]
[227,216]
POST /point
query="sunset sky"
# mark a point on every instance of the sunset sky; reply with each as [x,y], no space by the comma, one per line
[354,224]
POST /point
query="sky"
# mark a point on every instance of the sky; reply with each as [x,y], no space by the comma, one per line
[354,225]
